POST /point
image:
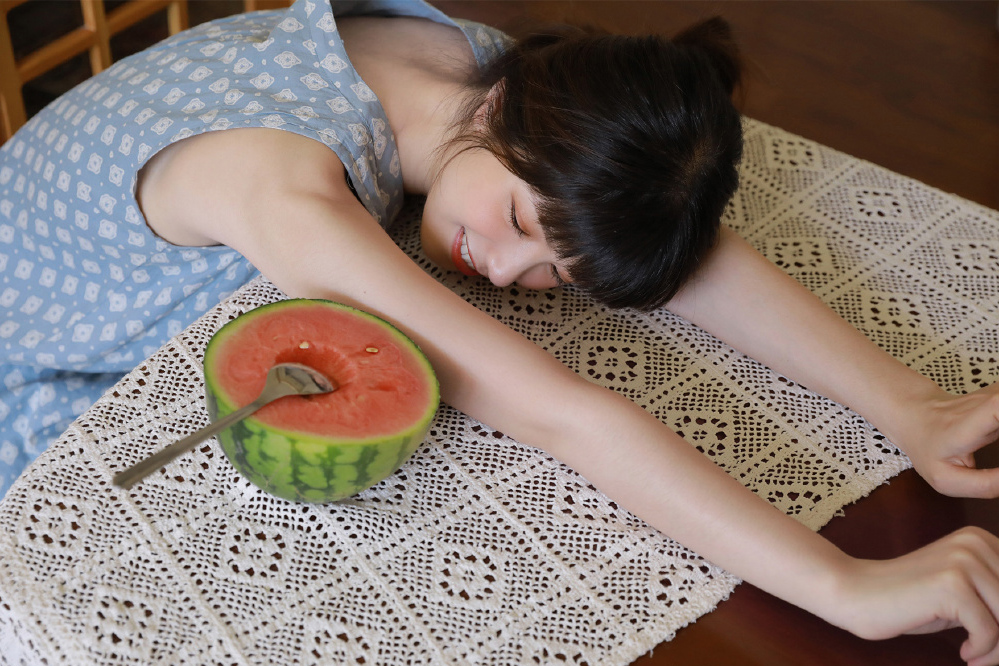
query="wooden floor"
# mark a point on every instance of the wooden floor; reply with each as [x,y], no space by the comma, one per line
[912,86]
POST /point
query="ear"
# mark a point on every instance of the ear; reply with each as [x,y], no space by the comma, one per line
[490,105]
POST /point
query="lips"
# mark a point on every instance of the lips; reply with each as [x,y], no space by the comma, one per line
[460,255]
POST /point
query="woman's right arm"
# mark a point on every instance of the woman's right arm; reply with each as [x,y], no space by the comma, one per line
[293,220]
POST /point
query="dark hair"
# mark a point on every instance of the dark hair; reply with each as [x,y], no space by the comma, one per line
[630,144]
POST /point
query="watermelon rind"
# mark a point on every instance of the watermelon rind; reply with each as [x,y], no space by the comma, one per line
[302,466]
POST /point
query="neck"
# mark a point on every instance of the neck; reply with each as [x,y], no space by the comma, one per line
[418,70]
[423,129]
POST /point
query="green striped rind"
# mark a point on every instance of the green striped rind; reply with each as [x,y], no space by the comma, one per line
[303,467]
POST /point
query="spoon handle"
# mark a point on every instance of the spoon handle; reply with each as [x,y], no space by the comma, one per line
[143,468]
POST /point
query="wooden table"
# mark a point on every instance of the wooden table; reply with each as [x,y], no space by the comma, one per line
[753,628]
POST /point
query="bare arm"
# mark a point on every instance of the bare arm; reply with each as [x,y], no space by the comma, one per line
[743,299]
[304,231]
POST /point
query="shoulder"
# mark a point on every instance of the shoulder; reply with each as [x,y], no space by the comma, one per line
[409,43]
[204,189]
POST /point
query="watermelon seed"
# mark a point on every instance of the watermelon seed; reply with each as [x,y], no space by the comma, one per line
[304,345]
[371,350]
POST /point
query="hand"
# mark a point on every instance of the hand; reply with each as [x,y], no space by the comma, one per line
[942,434]
[953,582]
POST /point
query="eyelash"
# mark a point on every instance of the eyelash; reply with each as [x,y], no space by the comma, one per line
[559,282]
[521,233]
[513,221]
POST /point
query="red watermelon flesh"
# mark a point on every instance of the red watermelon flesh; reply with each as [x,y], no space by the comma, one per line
[381,389]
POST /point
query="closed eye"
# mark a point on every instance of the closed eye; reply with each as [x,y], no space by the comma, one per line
[559,282]
[513,221]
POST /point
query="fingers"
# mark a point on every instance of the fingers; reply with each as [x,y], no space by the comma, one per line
[957,480]
[966,425]
[973,572]
[986,416]
[952,582]
[978,615]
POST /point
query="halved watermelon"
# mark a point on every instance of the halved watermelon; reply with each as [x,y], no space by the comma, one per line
[325,447]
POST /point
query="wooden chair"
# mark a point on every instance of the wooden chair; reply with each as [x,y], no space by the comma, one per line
[93,36]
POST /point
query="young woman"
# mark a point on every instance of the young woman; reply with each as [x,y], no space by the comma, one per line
[285,141]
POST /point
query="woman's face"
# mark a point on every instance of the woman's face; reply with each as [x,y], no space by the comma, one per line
[481,220]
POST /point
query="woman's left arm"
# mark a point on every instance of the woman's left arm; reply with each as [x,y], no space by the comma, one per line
[748,302]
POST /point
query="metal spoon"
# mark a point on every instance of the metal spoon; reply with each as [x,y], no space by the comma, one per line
[283,379]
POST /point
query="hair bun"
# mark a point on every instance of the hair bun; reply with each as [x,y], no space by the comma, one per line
[714,37]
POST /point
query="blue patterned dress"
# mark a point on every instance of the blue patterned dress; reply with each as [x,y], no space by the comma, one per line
[87,291]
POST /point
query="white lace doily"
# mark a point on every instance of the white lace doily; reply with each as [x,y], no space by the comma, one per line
[481,550]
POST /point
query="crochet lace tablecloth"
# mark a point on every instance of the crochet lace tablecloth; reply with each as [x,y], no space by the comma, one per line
[481,550]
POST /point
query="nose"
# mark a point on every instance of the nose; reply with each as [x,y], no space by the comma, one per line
[503,270]
[524,265]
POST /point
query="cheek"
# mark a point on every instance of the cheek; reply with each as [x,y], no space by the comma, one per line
[483,212]
[435,238]
[538,277]
[431,239]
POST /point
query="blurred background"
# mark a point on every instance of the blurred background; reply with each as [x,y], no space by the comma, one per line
[912,86]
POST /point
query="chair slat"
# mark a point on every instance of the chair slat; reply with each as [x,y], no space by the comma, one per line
[94,36]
